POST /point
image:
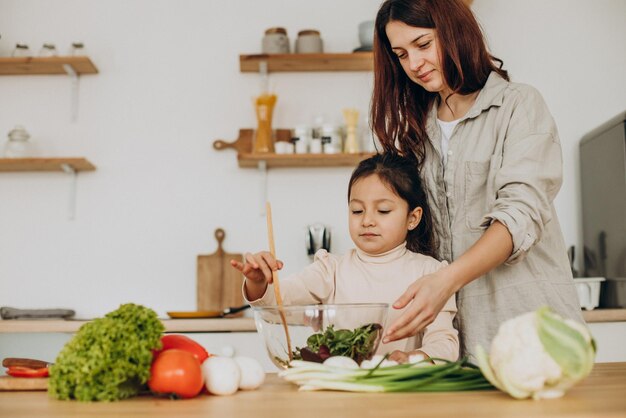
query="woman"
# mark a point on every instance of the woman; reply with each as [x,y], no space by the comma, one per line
[490,158]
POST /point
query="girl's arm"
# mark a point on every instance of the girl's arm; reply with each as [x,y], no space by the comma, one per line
[430,293]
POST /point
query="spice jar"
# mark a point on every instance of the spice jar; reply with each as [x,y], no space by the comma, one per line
[331,139]
[309,42]
[77,48]
[21,50]
[18,145]
[275,41]
[48,50]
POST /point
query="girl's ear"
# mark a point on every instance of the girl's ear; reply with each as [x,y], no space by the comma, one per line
[415,216]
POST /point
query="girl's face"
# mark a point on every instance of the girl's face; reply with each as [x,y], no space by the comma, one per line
[379,219]
[418,53]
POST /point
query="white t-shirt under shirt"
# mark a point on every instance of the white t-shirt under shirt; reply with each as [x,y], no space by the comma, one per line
[446,133]
[358,277]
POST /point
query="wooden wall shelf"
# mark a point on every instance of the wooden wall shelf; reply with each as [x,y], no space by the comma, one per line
[45,164]
[46,65]
[352,61]
[247,159]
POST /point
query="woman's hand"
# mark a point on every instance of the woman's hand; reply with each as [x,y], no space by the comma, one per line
[425,299]
[258,267]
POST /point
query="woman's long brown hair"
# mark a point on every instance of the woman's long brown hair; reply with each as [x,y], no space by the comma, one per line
[400,106]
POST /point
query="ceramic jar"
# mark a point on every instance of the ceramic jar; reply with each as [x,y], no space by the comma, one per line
[309,42]
[275,41]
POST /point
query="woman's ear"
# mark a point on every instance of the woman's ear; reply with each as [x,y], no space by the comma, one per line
[415,216]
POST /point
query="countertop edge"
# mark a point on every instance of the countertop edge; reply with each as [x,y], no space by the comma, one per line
[224,324]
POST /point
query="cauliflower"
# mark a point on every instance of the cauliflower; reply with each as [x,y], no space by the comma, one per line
[538,355]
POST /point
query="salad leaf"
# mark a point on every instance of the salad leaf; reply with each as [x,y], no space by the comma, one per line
[357,344]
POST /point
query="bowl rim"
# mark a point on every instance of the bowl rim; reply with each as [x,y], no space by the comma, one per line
[321,306]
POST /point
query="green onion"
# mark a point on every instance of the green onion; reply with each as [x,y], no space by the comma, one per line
[418,377]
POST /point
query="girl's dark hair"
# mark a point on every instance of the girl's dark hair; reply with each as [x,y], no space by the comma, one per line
[401,175]
[400,106]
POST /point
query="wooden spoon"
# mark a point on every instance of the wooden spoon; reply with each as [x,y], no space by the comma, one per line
[279,298]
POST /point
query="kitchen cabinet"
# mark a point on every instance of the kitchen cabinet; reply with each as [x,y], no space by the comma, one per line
[599,395]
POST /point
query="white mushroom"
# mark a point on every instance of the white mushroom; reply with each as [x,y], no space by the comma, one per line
[221,375]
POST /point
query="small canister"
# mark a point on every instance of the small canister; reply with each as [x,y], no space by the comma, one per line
[309,42]
[275,41]
[331,139]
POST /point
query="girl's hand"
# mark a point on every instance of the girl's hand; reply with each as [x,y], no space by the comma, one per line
[427,296]
[403,356]
[258,267]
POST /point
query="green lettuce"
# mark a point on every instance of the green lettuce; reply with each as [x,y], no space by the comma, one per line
[109,358]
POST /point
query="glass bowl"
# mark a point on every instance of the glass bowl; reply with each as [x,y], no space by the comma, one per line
[317,332]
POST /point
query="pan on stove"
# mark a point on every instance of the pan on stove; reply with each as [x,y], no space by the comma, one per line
[206,314]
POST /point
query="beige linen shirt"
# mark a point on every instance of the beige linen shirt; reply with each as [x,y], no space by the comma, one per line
[503,163]
[358,277]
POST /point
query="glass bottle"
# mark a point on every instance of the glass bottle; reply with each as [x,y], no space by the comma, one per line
[264,106]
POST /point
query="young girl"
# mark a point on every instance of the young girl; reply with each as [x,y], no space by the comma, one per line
[390,224]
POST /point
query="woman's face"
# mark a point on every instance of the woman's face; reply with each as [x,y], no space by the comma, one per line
[418,52]
[378,219]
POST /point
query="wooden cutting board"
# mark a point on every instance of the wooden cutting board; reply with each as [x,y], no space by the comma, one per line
[218,283]
[23,383]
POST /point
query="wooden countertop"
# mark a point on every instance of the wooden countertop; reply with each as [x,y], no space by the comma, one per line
[243,324]
[601,395]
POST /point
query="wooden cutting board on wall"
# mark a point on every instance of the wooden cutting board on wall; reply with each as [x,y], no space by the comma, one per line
[218,283]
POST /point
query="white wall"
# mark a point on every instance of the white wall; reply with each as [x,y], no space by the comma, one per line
[169,85]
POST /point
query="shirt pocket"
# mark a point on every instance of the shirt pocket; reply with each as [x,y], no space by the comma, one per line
[476,174]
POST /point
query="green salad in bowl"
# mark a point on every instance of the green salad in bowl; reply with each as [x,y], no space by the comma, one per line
[317,332]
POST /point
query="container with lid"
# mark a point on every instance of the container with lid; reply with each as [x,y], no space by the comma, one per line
[48,50]
[21,50]
[331,139]
[275,41]
[309,42]
[18,145]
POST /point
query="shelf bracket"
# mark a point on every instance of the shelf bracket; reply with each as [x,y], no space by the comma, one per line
[71,201]
[265,78]
[73,90]
[263,169]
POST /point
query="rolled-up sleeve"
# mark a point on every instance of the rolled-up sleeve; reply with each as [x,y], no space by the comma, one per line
[529,177]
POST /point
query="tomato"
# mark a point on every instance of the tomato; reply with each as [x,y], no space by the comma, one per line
[176,372]
[182,342]
[19,371]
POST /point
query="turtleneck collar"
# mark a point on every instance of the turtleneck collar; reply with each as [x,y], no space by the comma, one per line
[383,258]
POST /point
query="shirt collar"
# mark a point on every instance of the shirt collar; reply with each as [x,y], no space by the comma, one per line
[383,258]
[492,94]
